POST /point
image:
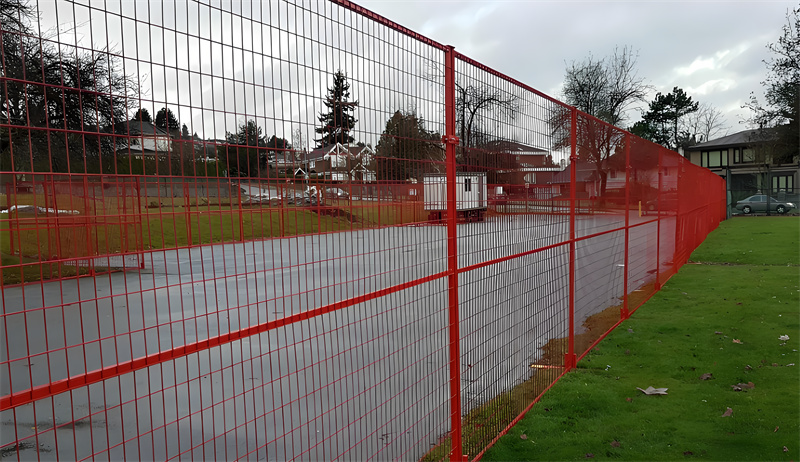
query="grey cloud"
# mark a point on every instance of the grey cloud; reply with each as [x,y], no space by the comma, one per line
[531,41]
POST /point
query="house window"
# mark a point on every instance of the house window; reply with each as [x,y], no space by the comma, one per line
[743,156]
[783,183]
[467,184]
[711,159]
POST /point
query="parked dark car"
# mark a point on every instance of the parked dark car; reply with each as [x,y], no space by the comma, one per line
[759,203]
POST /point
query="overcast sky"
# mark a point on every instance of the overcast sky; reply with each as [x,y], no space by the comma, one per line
[714,50]
[218,64]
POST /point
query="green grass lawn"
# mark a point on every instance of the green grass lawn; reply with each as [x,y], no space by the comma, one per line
[724,316]
[38,238]
[178,228]
[383,213]
[753,241]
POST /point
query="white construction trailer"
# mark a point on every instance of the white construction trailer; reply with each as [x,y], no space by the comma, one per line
[471,196]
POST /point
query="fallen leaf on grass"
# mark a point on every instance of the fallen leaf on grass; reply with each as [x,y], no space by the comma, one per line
[589,455]
[736,340]
[718,332]
[653,391]
[748,367]
[688,453]
[523,436]
[776,430]
[774,364]
[615,444]
[749,385]
[630,400]
[785,449]
[706,376]
[727,413]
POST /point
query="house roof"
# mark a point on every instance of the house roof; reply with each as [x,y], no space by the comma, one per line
[584,171]
[141,128]
[741,138]
[339,149]
[513,147]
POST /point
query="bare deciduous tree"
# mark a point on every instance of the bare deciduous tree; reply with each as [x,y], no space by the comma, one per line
[704,124]
[606,89]
[298,140]
[62,107]
[477,106]
[781,113]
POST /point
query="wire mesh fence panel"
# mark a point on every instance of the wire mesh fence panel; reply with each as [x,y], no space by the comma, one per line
[309,233]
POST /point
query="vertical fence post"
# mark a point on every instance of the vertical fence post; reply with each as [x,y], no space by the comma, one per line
[241,218]
[89,215]
[676,252]
[658,220]
[140,215]
[451,140]
[379,206]
[625,311]
[48,184]
[571,359]
[120,186]
[187,211]
[10,221]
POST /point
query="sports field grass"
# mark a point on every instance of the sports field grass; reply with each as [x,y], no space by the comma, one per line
[31,243]
[724,314]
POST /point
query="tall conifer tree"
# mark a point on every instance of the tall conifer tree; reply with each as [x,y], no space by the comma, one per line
[338,121]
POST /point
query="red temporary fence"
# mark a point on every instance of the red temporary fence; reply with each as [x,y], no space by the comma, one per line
[77,227]
[307,233]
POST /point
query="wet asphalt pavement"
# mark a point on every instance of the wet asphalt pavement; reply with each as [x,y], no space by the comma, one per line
[365,381]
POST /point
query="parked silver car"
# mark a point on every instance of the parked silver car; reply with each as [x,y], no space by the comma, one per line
[758,203]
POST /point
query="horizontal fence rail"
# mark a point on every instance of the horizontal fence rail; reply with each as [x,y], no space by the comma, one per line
[279,230]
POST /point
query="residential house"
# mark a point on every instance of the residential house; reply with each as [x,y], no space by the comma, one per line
[143,140]
[289,161]
[643,177]
[341,163]
[523,165]
[746,160]
[363,167]
[587,183]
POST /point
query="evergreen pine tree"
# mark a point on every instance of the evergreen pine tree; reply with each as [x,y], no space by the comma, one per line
[167,121]
[143,115]
[338,121]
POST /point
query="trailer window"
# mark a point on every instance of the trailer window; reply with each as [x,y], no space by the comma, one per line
[467,184]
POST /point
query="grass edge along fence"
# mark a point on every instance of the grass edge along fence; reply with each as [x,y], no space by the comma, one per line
[722,320]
